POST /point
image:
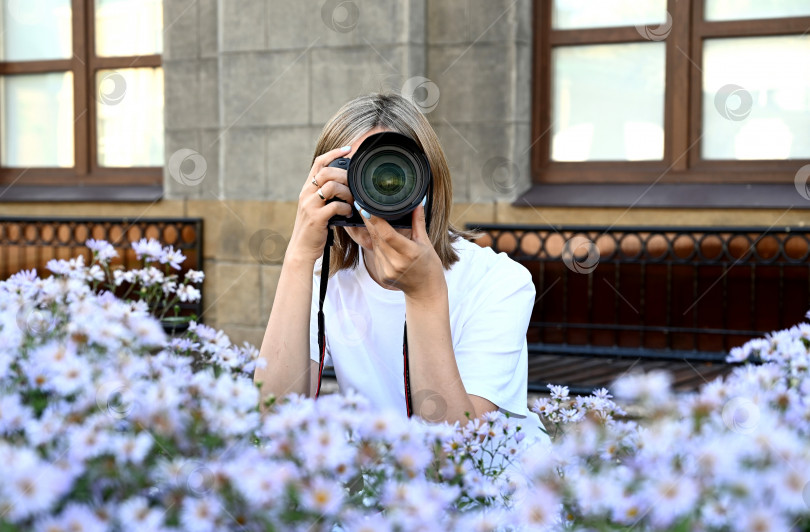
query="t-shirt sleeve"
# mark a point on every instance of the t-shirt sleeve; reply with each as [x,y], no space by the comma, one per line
[491,351]
[314,354]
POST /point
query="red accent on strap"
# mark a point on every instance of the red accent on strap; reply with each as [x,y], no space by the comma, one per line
[320,368]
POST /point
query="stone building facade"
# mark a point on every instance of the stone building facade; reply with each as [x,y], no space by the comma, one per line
[250,83]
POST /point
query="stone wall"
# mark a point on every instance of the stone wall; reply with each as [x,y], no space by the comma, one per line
[249,85]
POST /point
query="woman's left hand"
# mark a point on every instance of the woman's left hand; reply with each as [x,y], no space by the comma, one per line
[409,264]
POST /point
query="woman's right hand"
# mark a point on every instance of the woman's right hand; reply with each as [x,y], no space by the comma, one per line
[312,218]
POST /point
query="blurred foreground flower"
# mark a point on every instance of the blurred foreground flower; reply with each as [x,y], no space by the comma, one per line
[108,424]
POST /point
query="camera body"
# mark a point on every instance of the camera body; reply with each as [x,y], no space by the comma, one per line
[389,176]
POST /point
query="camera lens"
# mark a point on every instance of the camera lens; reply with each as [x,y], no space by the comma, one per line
[388,178]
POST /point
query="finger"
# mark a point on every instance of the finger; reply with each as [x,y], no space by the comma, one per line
[324,159]
[336,208]
[333,189]
[385,235]
[330,173]
[419,225]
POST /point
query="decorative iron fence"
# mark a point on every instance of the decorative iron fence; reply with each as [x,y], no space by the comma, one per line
[654,294]
[30,242]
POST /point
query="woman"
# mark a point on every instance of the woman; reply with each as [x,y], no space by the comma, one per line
[467,308]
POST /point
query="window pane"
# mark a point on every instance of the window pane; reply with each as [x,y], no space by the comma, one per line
[573,14]
[34,30]
[608,102]
[37,120]
[756,98]
[753,9]
[130,117]
[129,27]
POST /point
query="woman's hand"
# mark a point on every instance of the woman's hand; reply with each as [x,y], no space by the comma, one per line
[409,264]
[312,218]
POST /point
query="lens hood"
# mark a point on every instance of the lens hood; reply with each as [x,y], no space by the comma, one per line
[388,176]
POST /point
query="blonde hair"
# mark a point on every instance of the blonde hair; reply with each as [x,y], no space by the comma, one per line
[393,112]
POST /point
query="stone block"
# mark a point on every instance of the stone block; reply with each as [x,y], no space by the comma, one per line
[182,93]
[208,93]
[289,152]
[497,171]
[209,308]
[208,28]
[243,25]
[239,334]
[183,181]
[210,187]
[476,21]
[340,74]
[523,83]
[265,89]
[245,163]
[457,150]
[180,33]
[234,292]
[463,213]
[476,82]
[335,23]
[229,226]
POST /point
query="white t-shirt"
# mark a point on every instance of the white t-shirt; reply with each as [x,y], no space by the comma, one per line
[490,298]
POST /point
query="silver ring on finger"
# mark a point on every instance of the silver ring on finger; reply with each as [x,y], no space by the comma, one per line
[320,194]
[314,182]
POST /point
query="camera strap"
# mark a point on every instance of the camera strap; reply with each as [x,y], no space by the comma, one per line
[322,328]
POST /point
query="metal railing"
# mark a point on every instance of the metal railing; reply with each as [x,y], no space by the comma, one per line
[30,242]
[660,293]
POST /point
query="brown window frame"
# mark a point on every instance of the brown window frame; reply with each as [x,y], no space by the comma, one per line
[683,85]
[86,180]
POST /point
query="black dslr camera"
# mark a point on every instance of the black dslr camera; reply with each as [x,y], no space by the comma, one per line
[388,176]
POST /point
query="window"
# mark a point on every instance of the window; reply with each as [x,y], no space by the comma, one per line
[81,94]
[707,91]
